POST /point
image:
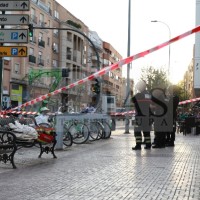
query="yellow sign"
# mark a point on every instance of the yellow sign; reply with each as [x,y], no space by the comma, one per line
[13,51]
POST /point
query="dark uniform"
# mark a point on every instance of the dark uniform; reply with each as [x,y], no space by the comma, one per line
[159,118]
[172,106]
[142,101]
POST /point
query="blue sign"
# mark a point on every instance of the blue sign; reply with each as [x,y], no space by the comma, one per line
[14,35]
[14,51]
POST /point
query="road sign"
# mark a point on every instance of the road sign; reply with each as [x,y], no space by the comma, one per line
[14,19]
[13,36]
[13,51]
[14,5]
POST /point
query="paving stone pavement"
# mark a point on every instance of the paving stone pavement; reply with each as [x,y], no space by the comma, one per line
[106,170]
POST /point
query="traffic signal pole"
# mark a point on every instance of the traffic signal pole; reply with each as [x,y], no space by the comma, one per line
[1,73]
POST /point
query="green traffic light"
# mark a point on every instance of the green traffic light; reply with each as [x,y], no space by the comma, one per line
[30,27]
[31,34]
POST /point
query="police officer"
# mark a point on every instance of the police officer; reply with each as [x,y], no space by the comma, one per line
[172,107]
[142,101]
[160,117]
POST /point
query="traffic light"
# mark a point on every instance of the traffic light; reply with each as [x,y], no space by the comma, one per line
[96,86]
[65,72]
[30,29]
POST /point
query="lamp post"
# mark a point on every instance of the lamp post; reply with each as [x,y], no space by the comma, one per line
[128,68]
[169,44]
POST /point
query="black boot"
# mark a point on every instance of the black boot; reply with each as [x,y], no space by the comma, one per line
[148,146]
[137,147]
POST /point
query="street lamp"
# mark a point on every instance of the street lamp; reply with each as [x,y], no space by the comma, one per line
[169,44]
[128,68]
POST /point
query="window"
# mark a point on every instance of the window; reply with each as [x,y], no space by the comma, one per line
[69,53]
[110,100]
[40,36]
[48,41]
[40,55]
[69,36]
[55,47]
[31,51]
[33,16]
[16,68]
[55,63]
[15,87]
[56,14]
[55,32]
[49,23]
[32,11]
[49,4]
[41,19]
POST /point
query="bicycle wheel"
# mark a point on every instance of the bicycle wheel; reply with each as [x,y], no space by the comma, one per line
[101,130]
[94,130]
[79,132]
[67,138]
[107,130]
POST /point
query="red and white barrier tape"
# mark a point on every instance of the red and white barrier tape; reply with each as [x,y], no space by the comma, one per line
[4,116]
[123,113]
[23,112]
[107,69]
[189,101]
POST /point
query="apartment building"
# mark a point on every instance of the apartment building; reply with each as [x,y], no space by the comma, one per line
[49,51]
[189,81]
[112,84]
[73,47]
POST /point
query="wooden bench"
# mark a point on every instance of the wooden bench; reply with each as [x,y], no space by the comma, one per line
[9,143]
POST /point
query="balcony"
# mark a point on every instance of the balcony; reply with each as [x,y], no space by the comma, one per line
[69,57]
[32,59]
[43,6]
[40,62]
[55,50]
[33,19]
[32,39]
[41,43]
[42,23]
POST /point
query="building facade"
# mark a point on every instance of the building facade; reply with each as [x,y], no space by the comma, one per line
[59,41]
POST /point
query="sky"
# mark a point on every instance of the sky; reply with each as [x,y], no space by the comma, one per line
[109,18]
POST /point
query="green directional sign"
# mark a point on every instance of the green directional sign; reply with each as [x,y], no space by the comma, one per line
[14,19]
[14,5]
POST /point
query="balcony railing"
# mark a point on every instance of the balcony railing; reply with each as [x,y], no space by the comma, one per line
[41,43]
[42,23]
[40,61]
[32,39]
[33,19]
[69,57]
[32,59]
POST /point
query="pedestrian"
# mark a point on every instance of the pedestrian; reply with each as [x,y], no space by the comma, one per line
[84,108]
[142,101]
[173,101]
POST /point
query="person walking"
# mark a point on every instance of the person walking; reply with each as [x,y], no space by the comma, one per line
[142,101]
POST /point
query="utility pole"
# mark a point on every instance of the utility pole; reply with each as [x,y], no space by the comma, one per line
[128,70]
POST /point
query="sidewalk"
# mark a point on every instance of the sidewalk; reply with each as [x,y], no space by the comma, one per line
[106,170]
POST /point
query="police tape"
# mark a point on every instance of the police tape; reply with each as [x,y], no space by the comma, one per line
[189,101]
[132,112]
[106,70]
